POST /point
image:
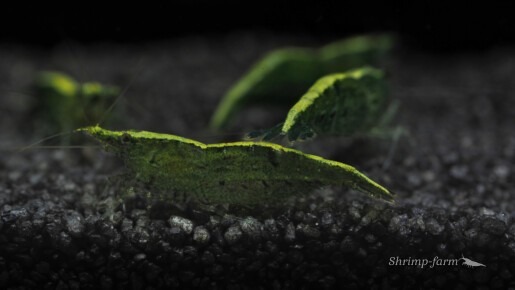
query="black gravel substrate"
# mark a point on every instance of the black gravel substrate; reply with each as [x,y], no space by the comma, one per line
[453,175]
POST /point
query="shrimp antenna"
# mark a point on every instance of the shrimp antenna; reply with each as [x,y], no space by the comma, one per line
[66,147]
[121,95]
[227,134]
[17,92]
[81,73]
[33,145]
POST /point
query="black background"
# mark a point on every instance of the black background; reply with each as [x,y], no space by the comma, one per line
[431,25]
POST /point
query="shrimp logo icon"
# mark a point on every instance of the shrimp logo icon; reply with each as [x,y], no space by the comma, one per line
[469,263]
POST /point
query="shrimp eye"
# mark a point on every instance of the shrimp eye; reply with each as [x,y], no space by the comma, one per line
[126,138]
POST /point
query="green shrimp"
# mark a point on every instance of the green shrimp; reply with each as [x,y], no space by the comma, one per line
[284,74]
[240,173]
[338,104]
[66,104]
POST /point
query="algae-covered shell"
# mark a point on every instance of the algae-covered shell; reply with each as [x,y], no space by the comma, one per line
[234,173]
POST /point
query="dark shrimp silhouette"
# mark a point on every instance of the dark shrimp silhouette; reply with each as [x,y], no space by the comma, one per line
[469,263]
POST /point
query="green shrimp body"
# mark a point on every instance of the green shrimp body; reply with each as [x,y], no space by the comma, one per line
[234,173]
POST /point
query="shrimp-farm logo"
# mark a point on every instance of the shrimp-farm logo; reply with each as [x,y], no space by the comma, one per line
[436,261]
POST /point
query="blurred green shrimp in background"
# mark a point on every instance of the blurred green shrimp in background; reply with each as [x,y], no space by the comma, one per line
[284,74]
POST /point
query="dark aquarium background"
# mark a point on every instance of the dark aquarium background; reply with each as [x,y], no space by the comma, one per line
[452,71]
